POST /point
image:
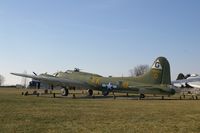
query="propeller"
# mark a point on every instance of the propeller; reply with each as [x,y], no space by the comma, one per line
[35,73]
[38,83]
[56,74]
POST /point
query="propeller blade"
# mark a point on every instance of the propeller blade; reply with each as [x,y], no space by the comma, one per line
[35,73]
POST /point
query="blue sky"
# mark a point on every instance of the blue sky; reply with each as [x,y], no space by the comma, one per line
[108,37]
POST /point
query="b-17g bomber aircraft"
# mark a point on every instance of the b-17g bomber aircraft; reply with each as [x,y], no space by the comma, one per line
[156,81]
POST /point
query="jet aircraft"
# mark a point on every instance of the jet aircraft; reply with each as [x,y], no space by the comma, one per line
[157,81]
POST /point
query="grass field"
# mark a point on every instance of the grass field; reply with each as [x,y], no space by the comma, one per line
[60,115]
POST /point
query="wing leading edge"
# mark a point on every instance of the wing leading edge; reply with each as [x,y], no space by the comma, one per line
[55,80]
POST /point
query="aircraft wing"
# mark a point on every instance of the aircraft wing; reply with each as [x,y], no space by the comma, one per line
[55,80]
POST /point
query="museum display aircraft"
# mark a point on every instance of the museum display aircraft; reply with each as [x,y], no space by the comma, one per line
[157,81]
[188,84]
[188,81]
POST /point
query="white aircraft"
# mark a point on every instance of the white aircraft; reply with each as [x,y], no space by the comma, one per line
[188,83]
[192,81]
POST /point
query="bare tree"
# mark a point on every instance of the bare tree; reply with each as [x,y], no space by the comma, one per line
[139,70]
[2,79]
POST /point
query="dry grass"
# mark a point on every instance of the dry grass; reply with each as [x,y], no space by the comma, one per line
[44,114]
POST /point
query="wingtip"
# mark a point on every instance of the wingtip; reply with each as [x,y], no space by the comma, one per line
[14,73]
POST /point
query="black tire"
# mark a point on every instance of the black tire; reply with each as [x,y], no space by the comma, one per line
[90,92]
[64,92]
[105,93]
[142,96]
[26,93]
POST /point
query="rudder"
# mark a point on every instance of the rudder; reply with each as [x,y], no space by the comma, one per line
[158,74]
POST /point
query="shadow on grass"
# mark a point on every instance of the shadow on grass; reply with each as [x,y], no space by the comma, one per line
[112,97]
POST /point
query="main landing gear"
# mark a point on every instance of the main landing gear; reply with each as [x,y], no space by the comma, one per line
[142,96]
[64,91]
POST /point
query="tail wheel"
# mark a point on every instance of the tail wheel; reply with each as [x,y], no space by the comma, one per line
[64,92]
[105,93]
[90,92]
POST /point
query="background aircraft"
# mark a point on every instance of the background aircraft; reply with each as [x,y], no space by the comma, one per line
[189,81]
[156,81]
[189,84]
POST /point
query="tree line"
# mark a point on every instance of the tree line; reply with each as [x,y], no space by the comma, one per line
[139,70]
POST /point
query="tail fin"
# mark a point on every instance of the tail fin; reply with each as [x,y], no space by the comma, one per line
[181,76]
[158,74]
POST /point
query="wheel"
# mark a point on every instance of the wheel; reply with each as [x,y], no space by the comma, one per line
[105,93]
[64,92]
[90,92]
[26,93]
[142,96]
